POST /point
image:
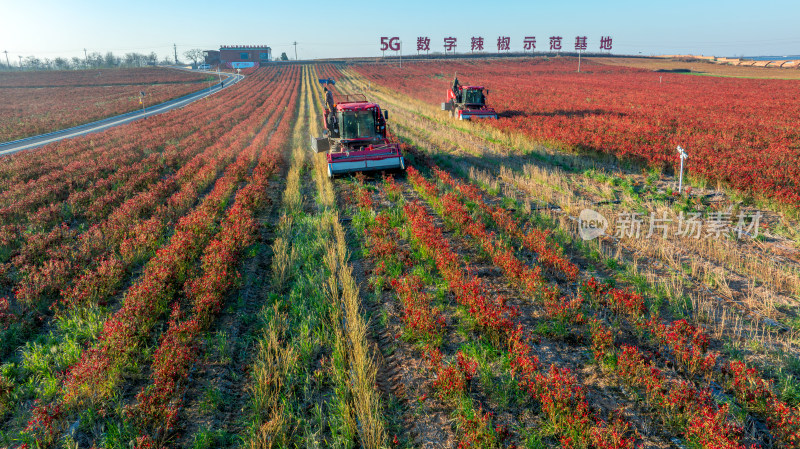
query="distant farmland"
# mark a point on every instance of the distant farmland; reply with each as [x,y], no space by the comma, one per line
[33,103]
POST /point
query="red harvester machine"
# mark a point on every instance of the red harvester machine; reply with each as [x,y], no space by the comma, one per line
[468,102]
[355,137]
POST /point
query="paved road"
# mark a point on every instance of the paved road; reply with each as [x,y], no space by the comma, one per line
[100,125]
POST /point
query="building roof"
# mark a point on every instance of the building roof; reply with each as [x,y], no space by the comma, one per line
[244,47]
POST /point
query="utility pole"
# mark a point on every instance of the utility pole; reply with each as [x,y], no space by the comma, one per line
[175,46]
[295,50]
[85,57]
[7,63]
[20,61]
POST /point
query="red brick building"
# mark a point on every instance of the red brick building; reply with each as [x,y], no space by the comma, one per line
[245,53]
[211,56]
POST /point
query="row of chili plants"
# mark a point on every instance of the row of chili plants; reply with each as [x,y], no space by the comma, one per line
[98,77]
[101,369]
[562,401]
[423,323]
[684,343]
[86,269]
[783,429]
[158,404]
[172,263]
[568,309]
[72,169]
[116,225]
[687,346]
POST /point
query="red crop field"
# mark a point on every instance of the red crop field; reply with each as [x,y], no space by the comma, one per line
[33,103]
[157,208]
[202,278]
[739,131]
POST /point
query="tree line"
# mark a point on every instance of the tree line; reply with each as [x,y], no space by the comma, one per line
[93,60]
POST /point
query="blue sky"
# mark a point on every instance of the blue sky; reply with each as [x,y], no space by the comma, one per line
[48,28]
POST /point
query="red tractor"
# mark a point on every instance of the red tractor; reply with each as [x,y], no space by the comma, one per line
[468,102]
[355,138]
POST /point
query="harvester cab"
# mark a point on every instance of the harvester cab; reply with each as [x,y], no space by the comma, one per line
[468,102]
[355,137]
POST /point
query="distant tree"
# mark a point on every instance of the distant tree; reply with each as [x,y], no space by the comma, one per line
[167,60]
[284,57]
[194,54]
[94,60]
[61,63]
[130,59]
[32,63]
[152,58]
[110,60]
[77,62]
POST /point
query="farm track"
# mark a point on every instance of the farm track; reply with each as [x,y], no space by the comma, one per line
[312,378]
[717,299]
